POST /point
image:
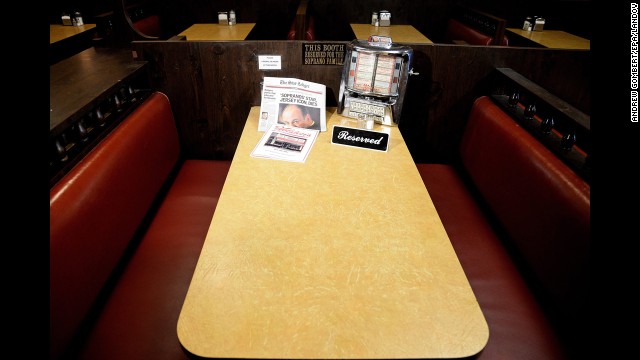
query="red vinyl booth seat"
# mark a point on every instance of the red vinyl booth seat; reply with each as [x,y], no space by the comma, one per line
[518,219]
[310,33]
[149,26]
[126,227]
[457,31]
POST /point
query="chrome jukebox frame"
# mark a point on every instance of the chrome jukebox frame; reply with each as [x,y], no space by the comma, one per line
[367,103]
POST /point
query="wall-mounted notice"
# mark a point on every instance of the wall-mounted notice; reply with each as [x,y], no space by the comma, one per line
[269,62]
[322,53]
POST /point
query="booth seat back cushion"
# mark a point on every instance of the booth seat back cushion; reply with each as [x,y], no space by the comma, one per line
[459,31]
[291,35]
[96,208]
[149,26]
[505,41]
[310,32]
[543,205]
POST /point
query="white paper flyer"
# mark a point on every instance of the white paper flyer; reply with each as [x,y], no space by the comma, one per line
[294,102]
[283,142]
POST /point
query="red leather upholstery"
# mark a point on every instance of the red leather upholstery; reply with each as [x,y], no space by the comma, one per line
[291,35]
[149,25]
[140,318]
[97,207]
[505,41]
[544,208]
[310,33]
[459,31]
[518,328]
[549,223]
[95,212]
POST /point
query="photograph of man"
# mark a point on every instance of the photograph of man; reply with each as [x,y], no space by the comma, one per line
[299,116]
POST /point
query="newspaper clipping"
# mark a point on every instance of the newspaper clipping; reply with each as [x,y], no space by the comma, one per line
[293,102]
[283,142]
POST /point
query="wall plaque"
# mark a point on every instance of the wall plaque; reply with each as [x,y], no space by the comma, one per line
[323,53]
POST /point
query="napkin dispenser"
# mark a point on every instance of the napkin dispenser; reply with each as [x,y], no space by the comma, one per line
[374,80]
[385,18]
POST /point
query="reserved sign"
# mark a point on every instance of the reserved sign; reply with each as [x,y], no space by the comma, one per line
[323,53]
[361,138]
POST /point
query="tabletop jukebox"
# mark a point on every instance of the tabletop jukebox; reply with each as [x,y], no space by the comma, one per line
[374,79]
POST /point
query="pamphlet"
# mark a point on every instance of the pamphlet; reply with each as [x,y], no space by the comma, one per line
[283,142]
[293,102]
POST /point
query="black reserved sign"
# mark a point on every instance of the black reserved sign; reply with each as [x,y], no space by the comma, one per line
[360,138]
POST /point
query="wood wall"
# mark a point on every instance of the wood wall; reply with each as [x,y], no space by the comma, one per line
[212,86]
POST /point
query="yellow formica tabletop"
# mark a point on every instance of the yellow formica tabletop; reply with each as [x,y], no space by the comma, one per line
[398,33]
[60,32]
[342,256]
[238,31]
[555,39]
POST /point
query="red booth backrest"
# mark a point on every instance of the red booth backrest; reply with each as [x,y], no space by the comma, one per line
[310,33]
[149,25]
[97,207]
[549,224]
[459,31]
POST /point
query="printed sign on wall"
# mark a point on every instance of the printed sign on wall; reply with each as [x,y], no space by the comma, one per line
[322,54]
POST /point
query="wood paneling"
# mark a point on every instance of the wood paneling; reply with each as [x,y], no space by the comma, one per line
[212,86]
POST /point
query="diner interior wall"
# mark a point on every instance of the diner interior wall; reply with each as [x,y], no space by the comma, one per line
[435,106]
[333,16]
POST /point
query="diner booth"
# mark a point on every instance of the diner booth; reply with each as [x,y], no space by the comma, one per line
[465,236]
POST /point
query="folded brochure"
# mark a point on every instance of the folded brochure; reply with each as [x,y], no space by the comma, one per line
[284,142]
